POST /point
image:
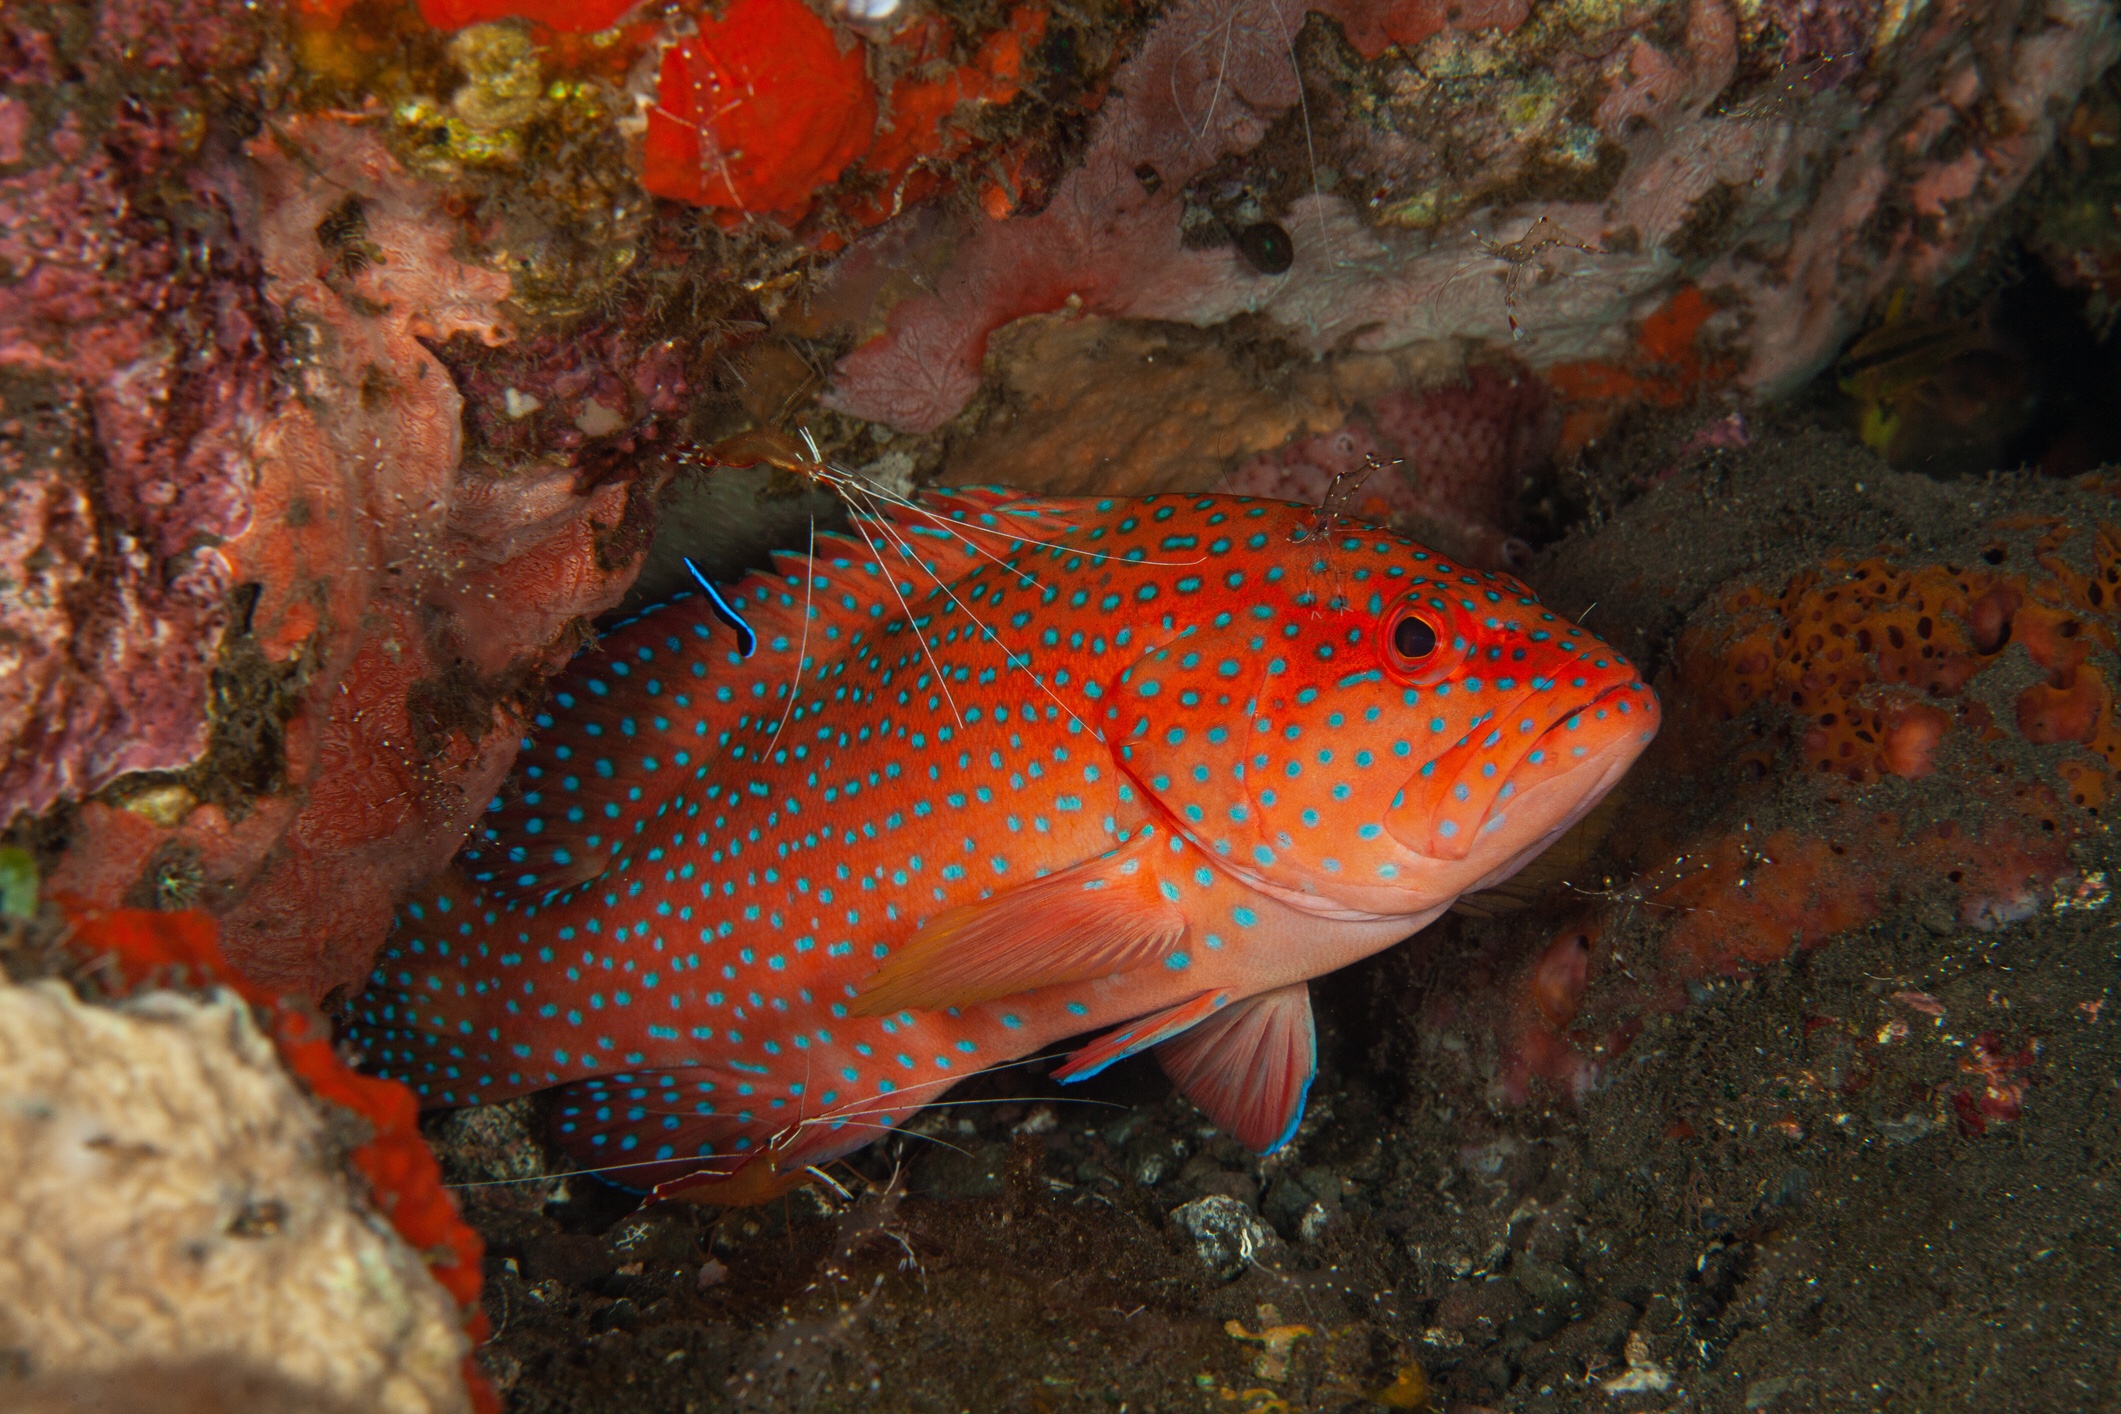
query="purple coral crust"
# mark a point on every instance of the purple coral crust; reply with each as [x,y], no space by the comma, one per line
[136,359]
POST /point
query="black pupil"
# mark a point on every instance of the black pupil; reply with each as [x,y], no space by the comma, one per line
[1413,638]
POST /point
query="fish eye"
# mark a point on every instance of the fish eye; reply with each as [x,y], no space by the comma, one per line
[1413,637]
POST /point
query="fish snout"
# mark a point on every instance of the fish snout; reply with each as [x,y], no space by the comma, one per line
[1526,771]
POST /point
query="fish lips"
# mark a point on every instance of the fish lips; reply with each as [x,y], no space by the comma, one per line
[1516,776]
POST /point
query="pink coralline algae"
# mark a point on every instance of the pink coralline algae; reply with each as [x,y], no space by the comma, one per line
[278,581]
[421,598]
[1446,462]
[135,354]
[1543,177]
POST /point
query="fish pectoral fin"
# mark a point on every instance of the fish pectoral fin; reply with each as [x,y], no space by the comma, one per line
[1249,1066]
[1139,1035]
[1103,916]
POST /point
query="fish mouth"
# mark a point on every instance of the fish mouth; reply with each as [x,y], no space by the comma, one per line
[1523,774]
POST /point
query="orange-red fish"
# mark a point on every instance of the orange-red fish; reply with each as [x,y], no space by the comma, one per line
[1132,767]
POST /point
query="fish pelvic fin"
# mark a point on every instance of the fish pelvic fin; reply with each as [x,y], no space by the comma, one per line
[1139,1035]
[1249,1066]
[1104,916]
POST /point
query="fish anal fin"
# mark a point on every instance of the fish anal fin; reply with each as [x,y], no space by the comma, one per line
[1249,1066]
[1139,1035]
[1094,919]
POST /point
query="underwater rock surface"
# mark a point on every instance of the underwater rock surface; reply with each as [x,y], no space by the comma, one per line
[173,1205]
[354,355]
[1538,175]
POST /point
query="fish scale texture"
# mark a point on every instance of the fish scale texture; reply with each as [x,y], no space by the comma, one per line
[741,910]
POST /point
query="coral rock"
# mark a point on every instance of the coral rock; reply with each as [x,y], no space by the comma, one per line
[1550,183]
[136,356]
[220,1232]
[397,606]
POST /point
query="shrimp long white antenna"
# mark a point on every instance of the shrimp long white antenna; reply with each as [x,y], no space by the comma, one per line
[849,485]
[852,1112]
[870,508]
[601,1169]
[896,1099]
[1303,107]
[913,625]
[802,648]
[1015,660]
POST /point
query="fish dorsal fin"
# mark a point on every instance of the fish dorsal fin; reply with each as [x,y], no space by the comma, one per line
[1249,1066]
[1139,1035]
[666,692]
[1103,916]
[657,699]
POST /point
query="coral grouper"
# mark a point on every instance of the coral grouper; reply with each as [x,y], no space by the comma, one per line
[1000,771]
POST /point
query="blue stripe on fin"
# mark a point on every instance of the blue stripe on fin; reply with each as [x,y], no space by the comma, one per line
[747,642]
[1115,1046]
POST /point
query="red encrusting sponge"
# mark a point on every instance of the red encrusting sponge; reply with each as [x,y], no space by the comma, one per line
[757,110]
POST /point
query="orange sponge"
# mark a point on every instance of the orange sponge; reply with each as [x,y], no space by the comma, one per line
[1873,657]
